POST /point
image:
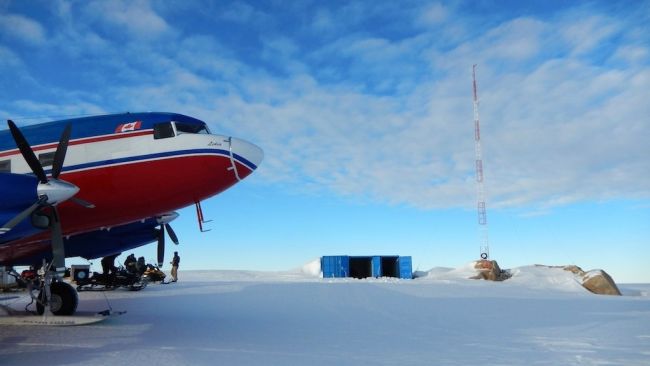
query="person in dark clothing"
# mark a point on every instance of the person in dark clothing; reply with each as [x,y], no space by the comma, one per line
[108,268]
[108,264]
[175,261]
[130,263]
[141,266]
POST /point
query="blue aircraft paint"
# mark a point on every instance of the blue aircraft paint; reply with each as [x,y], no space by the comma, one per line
[100,243]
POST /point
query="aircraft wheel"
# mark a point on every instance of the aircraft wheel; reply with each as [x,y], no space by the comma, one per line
[63,302]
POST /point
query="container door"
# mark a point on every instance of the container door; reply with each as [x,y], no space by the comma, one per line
[335,266]
[405,267]
[376,267]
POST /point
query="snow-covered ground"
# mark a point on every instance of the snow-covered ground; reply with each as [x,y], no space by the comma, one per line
[541,316]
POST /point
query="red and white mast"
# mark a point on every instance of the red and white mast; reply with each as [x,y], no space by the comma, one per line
[480,189]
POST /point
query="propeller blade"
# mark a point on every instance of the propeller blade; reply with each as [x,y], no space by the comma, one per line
[161,246]
[172,234]
[27,152]
[61,149]
[81,202]
[21,216]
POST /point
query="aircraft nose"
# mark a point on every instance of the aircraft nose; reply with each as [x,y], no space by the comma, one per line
[247,153]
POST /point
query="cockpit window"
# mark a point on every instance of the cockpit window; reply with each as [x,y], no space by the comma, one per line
[5,166]
[163,130]
[46,159]
[191,128]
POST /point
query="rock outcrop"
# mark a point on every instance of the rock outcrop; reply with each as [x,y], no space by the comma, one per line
[599,282]
[489,270]
[596,281]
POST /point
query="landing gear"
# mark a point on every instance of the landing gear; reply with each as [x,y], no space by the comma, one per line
[56,304]
[63,299]
[54,295]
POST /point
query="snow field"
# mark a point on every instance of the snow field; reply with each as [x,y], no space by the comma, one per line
[539,317]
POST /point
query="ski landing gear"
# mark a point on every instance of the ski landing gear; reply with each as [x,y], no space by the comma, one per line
[56,303]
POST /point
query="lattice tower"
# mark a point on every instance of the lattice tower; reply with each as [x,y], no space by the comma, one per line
[480,189]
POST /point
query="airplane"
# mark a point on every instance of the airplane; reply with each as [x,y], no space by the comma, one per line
[110,183]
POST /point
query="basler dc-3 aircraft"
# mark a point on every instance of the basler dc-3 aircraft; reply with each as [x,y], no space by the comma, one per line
[109,183]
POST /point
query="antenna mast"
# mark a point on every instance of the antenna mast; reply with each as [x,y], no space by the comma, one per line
[480,190]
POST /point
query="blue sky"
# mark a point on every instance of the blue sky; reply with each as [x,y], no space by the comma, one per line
[364,111]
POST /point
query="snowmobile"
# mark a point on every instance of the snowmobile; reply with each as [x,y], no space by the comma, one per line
[154,274]
[122,278]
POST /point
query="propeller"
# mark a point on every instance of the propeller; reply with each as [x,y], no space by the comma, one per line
[172,234]
[164,221]
[161,246]
[50,191]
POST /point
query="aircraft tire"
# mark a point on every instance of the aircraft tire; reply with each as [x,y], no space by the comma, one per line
[64,299]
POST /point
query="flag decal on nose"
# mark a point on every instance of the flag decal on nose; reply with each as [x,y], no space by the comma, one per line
[126,127]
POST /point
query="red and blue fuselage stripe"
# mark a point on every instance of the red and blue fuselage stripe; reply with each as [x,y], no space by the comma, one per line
[162,155]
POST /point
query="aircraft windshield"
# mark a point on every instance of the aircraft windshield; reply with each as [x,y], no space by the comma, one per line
[191,128]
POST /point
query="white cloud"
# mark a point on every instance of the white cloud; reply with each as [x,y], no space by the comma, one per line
[282,46]
[15,74]
[323,20]
[433,14]
[134,17]
[631,54]
[9,59]
[570,132]
[22,28]
[281,51]
[43,112]
[240,12]
[518,39]
[585,34]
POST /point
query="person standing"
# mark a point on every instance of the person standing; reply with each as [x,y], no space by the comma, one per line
[108,264]
[175,261]
[109,270]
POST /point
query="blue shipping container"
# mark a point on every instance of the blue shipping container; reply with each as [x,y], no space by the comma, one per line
[340,266]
